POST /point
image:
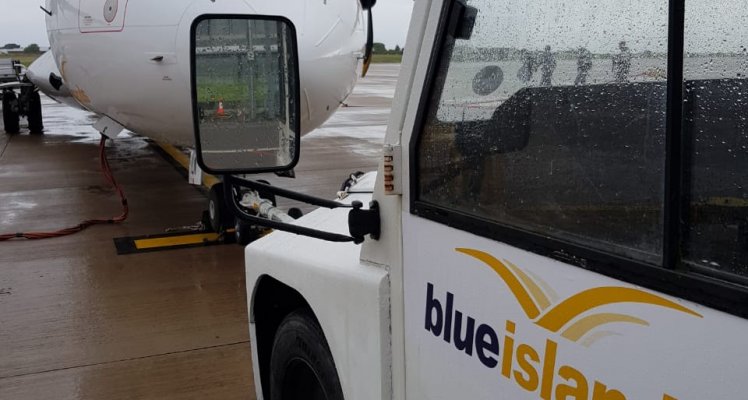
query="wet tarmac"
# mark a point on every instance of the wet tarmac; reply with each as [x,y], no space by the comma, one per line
[78,321]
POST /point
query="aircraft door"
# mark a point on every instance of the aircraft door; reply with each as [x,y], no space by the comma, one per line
[102,15]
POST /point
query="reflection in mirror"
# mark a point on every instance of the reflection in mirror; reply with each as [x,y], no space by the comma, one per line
[246,88]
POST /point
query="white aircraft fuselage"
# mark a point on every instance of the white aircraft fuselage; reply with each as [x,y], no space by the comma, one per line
[129,60]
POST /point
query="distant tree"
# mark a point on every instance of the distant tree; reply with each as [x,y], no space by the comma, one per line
[32,48]
[11,46]
[398,50]
[379,48]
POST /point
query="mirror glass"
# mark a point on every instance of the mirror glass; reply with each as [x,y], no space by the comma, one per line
[245,94]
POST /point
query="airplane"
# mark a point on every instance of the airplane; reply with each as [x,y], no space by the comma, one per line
[128,61]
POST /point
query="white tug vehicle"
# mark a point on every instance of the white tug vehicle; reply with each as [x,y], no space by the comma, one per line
[561,212]
[561,209]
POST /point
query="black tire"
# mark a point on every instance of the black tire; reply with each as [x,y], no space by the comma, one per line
[301,365]
[266,195]
[10,113]
[36,125]
[245,233]
[218,212]
[295,213]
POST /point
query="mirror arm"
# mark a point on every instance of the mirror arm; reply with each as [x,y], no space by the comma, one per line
[285,193]
[281,226]
[360,222]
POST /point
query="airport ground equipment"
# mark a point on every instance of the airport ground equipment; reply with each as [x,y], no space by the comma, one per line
[526,238]
[19,98]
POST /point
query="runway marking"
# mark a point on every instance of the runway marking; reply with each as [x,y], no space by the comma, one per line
[183,240]
[171,241]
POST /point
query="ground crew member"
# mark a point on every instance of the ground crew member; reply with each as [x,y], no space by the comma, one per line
[528,67]
[584,65]
[547,66]
[622,64]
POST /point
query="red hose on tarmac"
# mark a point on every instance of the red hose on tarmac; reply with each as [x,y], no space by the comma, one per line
[107,172]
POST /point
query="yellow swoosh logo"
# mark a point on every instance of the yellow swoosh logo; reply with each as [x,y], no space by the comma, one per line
[555,318]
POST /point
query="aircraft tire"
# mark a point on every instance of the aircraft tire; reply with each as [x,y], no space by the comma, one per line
[245,233]
[301,365]
[10,116]
[267,195]
[218,212]
[36,125]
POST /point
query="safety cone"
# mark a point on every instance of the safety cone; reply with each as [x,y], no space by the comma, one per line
[220,112]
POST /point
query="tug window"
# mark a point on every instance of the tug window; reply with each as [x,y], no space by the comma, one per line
[716,132]
[550,119]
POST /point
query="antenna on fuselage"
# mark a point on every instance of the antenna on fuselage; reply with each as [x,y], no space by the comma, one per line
[367,5]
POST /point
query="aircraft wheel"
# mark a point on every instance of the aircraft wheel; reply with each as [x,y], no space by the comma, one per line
[10,113]
[36,124]
[301,365]
[218,212]
[266,195]
[245,233]
[295,213]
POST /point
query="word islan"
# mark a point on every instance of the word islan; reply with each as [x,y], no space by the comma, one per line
[530,369]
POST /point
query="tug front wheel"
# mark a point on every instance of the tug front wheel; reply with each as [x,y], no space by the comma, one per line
[301,365]
[10,113]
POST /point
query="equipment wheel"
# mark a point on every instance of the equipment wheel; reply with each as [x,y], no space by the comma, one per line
[10,112]
[36,124]
[218,212]
[267,195]
[301,365]
[246,233]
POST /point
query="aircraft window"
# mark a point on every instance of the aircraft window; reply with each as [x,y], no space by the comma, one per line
[551,119]
[716,129]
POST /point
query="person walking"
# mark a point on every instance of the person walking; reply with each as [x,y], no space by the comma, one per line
[547,66]
[528,67]
[622,64]
[584,65]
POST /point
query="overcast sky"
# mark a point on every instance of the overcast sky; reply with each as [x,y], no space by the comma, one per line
[22,22]
[599,25]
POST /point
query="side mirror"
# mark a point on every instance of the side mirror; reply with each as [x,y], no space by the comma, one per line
[245,93]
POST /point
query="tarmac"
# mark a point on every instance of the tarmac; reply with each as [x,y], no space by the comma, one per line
[78,321]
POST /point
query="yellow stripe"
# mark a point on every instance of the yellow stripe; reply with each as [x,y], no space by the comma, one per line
[597,336]
[727,202]
[519,291]
[184,161]
[537,293]
[147,244]
[588,323]
[558,316]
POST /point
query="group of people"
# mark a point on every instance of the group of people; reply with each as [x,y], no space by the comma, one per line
[546,62]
